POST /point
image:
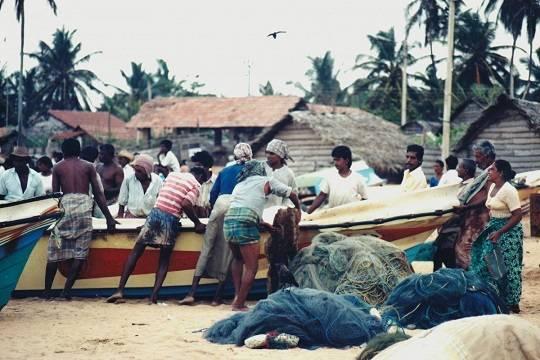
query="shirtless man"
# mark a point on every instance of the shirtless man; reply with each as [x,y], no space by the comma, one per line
[110,172]
[71,237]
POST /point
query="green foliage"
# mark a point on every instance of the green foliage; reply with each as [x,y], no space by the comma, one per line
[325,88]
[267,89]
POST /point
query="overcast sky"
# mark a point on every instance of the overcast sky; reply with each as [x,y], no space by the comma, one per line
[213,39]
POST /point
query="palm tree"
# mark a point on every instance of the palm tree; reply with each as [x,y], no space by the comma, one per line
[325,88]
[477,61]
[65,84]
[532,91]
[512,14]
[19,10]
[266,89]
[532,15]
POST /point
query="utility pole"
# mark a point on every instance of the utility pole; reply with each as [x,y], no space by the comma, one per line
[249,78]
[404,83]
[20,87]
[447,112]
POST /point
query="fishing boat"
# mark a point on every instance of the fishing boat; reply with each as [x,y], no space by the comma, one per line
[22,225]
[403,219]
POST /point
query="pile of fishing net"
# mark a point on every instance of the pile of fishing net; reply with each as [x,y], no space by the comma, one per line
[364,266]
[317,318]
[425,301]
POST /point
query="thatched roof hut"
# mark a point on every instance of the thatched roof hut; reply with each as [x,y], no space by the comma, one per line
[311,136]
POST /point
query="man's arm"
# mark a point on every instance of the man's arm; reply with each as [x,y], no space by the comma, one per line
[99,197]
[188,209]
[214,193]
[55,182]
[319,200]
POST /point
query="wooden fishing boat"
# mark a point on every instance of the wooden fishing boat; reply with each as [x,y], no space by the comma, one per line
[404,219]
[22,225]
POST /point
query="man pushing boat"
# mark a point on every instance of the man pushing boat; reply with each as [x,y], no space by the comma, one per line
[70,239]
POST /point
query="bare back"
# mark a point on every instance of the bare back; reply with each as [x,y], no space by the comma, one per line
[112,176]
[74,176]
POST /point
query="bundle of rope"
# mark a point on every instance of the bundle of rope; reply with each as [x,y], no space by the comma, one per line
[425,301]
[364,266]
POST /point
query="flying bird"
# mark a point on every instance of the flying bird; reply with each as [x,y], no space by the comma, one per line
[275,34]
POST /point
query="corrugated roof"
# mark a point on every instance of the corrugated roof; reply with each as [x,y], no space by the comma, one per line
[215,112]
[95,124]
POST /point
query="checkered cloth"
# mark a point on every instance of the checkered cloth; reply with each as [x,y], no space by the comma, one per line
[70,239]
[241,226]
[160,229]
[280,148]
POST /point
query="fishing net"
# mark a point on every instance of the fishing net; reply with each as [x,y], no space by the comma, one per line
[364,266]
[428,300]
[318,318]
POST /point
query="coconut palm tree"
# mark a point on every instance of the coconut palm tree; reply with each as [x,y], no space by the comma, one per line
[65,85]
[325,88]
[19,11]
[477,61]
[532,15]
[532,92]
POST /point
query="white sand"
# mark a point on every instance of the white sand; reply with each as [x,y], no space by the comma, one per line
[91,329]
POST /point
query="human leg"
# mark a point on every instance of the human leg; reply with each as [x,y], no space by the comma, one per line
[161,273]
[133,257]
[236,267]
[74,271]
[50,273]
[250,256]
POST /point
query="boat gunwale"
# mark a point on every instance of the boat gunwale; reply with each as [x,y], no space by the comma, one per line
[32,219]
[56,195]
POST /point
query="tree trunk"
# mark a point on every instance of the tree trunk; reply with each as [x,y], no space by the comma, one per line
[447,110]
[432,57]
[511,87]
[20,88]
[526,92]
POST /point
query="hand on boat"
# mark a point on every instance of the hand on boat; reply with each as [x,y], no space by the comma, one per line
[200,228]
[111,224]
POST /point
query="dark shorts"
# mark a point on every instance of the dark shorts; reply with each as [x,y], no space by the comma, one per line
[160,229]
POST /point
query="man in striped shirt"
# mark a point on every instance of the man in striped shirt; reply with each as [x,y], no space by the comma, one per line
[178,195]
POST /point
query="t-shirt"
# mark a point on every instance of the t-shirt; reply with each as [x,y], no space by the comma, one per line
[225,182]
[132,195]
[177,188]
[285,176]
[450,177]
[433,181]
[504,202]
[344,190]
[250,193]
[47,183]
[414,180]
[10,185]
[169,160]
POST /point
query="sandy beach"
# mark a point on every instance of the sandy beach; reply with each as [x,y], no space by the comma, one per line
[90,329]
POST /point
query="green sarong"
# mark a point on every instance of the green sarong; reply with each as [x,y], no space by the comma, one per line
[241,226]
[511,244]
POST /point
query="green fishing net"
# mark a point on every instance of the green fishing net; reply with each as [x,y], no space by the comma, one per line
[364,266]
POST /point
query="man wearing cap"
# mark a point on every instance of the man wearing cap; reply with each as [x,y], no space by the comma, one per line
[20,182]
[277,154]
[139,191]
[124,158]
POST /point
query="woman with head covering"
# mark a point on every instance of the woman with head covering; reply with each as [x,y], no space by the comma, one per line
[242,222]
[277,154]
[215,258]
[139,191]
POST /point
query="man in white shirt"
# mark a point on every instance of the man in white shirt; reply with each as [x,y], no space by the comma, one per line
[167,161]
[451,175]
[205,160]
[124,159]
[344,186]
[20,182]
[413,177]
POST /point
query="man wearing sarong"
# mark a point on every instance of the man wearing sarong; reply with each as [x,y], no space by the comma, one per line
[70,239]
[413,176]
[216,256]
[449,231]
[110,172]
[139,191]
[177,196]
[473,211]
[242,222]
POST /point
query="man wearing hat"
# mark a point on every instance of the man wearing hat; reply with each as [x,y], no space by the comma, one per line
[277,154]
[20,182]
[124,159]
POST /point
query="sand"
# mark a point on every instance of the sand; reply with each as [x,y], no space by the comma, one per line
[90,329]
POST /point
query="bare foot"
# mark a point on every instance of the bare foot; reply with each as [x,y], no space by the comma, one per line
[152,300]
[240,308]
[188,300]
[65,295]
[216,302]
[116,298]
[46,295]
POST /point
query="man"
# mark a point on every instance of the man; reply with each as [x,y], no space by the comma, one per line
[90,154]
[277,154]
[446,239]
[124,158]
[438,169]
[451,175]
[139,191]
[178,195]
[413,177]
[167,161]
[110,172]
[20,182]
[473,211]
[70,239]
[344,186]
[204,160]
[216,256]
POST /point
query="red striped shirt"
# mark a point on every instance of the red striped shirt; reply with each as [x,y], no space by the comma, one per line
[177,188]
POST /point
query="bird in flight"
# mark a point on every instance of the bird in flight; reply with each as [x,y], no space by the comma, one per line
[275,34]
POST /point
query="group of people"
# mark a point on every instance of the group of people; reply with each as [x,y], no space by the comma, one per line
[487,218]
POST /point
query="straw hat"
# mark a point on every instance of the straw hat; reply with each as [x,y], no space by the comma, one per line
[20,151]
[126,154]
